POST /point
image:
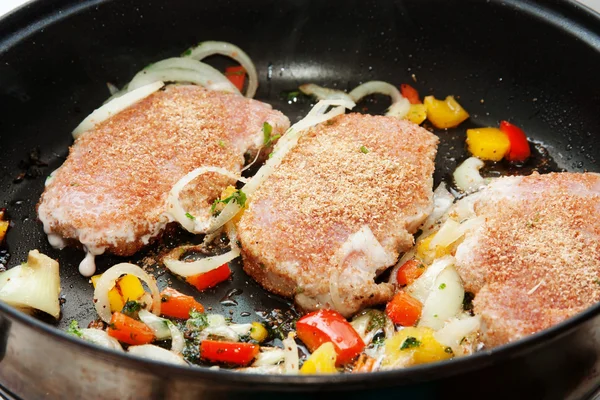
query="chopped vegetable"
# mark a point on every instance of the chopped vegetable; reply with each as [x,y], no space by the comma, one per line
[131,309]
[240,354]
[74,329]
[426,253]
[364,364]
[128,330]
[410,93]
[258,332]
[364,150]
[321,361]
[445,113]
[414,346]
[4,223]
[323,326]
[417,113]
[209,279]
[237,76]
[409,272]
[519,146]
[488,143]
[32,285]
[128,287]
[178,305]
[267,138]
[404,309]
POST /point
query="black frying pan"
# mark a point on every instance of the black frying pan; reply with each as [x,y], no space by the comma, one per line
[532,62]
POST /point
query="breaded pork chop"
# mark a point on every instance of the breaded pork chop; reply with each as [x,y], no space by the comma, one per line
[536,260]
[111,192]
[338,210]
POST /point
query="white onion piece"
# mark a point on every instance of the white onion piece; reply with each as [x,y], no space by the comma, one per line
[399,109]
[113,89]
[373,87]
[323,93]
[444,301]
[442,201]
[101,338]
[185,268]
[241,329]
[179,69]
[116,105]
[269,356]
[422,286]
[315,116]
[263,369]
[223,332]
[157,324]
[360,324]
[177,339]
[152,352]
[449,233]
[177,212]
[33,285]
[209,48]
[216,320]
[455,330]
[291,361]
[471,225]
[107,282]
[467,177]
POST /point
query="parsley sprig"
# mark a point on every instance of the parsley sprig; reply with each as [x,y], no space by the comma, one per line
[238,197]
[267,138]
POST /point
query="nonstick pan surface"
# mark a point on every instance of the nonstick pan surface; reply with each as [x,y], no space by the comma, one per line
[534,63]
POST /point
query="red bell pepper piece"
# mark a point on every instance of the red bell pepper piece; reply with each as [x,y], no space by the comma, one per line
[404,309]
[410,93]
[228,352]
[409,272]
[519,146]
[178,305]
[324,326]
[210,278]
[237,76]
[128,330]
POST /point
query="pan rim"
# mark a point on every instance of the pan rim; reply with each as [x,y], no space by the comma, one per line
[19,23]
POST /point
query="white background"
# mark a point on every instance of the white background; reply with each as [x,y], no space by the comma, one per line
[7,5]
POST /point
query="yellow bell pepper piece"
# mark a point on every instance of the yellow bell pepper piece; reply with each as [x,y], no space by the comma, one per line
[321,361]
[444,113]
[228,191]
[258,332]
[488,143]
[126,288]
[426,254]
[414,346]
[417,113]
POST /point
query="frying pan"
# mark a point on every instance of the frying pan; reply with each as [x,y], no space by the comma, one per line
[535,63]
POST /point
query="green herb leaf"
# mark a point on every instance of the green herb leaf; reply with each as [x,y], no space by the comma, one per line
[197,321]
[293,95]
[186,53]
[131,309]
[74,329]
[238,197]
[442,286]
[267,138]
[364,150]
[409,343]
[190,216]
[377,320]
[222,143]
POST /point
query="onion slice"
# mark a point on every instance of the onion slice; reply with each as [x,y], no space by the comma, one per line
[116,105]
[178,213]
[291,360]
[179,69]
[323,93]
[101,338]
[467,177]
[191,268]
[152,352]
[208,48]
[107,282]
